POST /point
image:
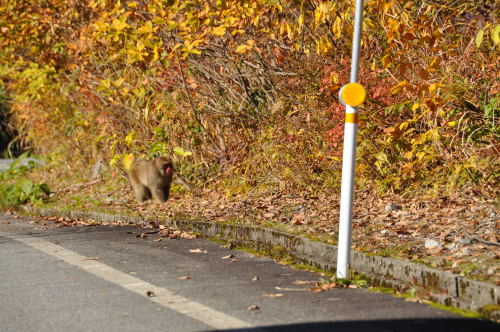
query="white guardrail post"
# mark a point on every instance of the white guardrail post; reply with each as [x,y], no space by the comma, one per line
[351,95]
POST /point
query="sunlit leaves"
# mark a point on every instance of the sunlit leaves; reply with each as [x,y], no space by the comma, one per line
[119,25]
[479,38]
[219,31]
[146,28]
[495,35]
[398,88]
[245,47]
[181,152]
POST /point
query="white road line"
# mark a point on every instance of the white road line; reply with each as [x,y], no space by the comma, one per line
[162,296]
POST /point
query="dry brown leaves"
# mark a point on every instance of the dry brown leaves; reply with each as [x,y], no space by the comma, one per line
[467,227]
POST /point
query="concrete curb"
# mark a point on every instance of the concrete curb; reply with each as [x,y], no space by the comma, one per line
[442,287]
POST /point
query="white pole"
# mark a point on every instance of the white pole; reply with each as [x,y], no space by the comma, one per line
[349,158]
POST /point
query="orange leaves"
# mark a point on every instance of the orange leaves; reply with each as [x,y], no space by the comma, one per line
[386,60]
[434,65]
[393,131]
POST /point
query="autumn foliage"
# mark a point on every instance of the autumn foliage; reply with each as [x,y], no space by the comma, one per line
[244,93]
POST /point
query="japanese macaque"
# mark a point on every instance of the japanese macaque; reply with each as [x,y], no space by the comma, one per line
[151,178]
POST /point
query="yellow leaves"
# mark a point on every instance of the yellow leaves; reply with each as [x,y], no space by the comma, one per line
[386,60]
[403,125]
[322,12]
[256,20]
[146,28]
[300,20]
[435,86]
[434,65]
[119,25]
[318,16]
[237,32]
[171,25]
[479,38]
[136,52]
[194,51]
[181,152]
[190,47]
[495,35]
[388,6]
[159,20]
[245,48]
[493,30]
[323,45]
[219,31]
[399,87]
[132,4]
[289,31]
[104,84]
[337,28]
[129,139]
[118,82]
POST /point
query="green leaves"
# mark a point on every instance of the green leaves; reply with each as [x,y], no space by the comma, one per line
[495,34]
[181,152]
[479,38]
[22,191]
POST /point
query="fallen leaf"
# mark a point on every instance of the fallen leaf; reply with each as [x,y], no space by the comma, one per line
[184,278]
[92,258]
[255,278]
[323,287]
[150,293]
[273,295]
[228,256]
[303,282]
[316,289]
[412,299]
[253,307]
[198,251]
[290,289]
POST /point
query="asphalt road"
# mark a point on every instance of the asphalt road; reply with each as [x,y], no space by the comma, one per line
[5,163]
[98,279]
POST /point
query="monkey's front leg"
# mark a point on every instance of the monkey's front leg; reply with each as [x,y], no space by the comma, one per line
[161,193]
[142,193]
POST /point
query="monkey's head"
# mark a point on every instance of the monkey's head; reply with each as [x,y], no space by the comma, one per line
[164,165]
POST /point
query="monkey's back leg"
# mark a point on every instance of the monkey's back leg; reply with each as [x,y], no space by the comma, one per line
[142,193]
[161,193]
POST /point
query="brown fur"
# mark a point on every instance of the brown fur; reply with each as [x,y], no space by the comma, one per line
[151,179]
